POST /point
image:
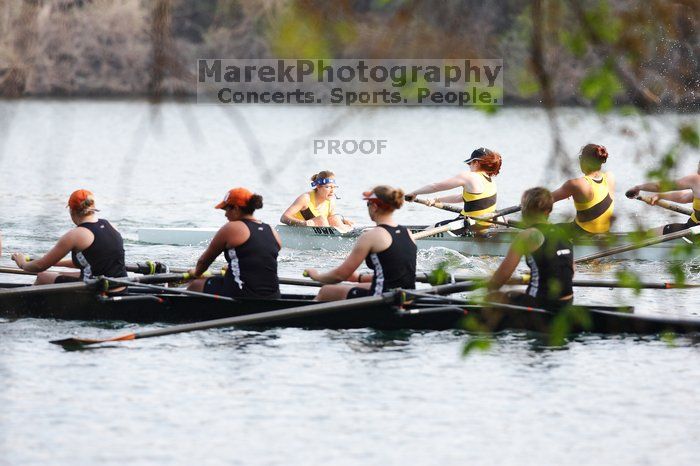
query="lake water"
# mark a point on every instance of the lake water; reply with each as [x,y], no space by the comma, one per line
[325,397]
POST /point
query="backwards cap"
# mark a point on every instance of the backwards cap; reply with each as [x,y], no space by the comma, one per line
[78,200]
[236,197]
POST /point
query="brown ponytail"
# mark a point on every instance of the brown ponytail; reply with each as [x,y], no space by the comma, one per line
[389,199]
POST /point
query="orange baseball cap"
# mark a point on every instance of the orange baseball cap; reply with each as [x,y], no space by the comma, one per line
[76,201]
[236,197]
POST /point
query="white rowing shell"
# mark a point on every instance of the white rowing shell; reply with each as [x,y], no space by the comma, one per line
[330,239]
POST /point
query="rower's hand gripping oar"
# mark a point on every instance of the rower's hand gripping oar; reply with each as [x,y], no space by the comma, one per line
[490,218]
[452,226]
[664,204]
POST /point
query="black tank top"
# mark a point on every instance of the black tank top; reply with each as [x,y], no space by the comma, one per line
[551,265]
[105,256]
[395,267]
[252,266]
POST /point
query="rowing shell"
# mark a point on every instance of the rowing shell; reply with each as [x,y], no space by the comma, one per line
[141,306]
[331,239]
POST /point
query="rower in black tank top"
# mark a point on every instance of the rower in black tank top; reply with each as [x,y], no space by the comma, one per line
[395,267]
[105,256]
[551,267]
[252,266]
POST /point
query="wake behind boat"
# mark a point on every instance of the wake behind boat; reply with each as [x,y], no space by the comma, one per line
[496,243]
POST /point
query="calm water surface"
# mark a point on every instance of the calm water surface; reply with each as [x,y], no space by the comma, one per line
[320,397]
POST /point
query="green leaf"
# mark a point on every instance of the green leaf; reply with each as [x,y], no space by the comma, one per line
[676,269]
[439,275]
[601,85]
[689,135]
[476,344]
[669,338]
[629,279]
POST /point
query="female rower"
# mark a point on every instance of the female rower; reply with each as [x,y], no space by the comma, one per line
[685,191]
[548,251]
[478,187]
[593,193]
[96,248]
[316,207]
[388,249]
[250,247]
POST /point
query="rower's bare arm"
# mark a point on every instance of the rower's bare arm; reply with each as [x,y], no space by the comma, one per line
[564,191]
[649,187]
[452,199]
[682,197]
[505,270]
[687,182]
[68,262]
[60,250]
[524,243]
[216,247]
[346,270]
[298,205]
[450,183]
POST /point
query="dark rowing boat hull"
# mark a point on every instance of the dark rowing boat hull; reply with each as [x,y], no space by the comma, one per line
[143,308]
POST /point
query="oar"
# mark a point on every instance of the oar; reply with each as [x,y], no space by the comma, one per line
[666,205]
[525,279]
[253,319]
[264,317]
[146,268]
[452,226]
[16,271]
[692,231]
[490,218]
[41,289]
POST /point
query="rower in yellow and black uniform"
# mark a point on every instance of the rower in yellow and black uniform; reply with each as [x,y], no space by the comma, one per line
[316,207]
[479,192]
[684,190]
[593,193]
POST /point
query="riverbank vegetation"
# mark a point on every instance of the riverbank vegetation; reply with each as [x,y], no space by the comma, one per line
[581,52]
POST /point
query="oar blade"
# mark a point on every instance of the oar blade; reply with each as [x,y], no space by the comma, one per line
[77,343]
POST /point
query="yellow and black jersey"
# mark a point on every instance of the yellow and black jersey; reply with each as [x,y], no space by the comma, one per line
[695,216]
[313,210]
[595,215]
[480,204]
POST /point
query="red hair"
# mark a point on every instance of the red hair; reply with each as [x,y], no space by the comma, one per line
[490,163]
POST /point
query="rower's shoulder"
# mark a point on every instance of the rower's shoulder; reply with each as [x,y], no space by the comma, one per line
[528,240]
[233,226]
[304,197]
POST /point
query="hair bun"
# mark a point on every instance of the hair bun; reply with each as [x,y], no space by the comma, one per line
[602,152]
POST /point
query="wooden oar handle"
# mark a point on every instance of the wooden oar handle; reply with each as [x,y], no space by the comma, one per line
[665,205]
